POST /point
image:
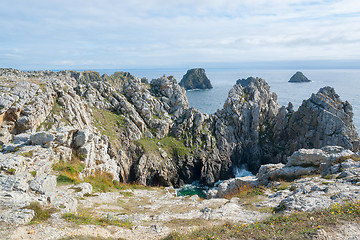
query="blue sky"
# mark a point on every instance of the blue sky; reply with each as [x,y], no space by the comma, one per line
[79,34]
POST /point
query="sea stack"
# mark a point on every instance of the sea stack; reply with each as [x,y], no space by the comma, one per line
[195,79]
[299,77]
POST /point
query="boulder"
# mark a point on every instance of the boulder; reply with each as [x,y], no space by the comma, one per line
[195,79]
[43,184]
[42,138]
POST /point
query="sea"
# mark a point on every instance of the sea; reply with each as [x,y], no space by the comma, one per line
[346,83]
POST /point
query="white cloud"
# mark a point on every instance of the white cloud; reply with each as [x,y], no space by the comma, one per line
[135,33]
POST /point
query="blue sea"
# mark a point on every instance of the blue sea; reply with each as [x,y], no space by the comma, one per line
[345,81]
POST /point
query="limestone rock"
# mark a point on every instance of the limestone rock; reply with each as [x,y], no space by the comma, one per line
[299,77]
[195,79]
[42,138]
[43,184]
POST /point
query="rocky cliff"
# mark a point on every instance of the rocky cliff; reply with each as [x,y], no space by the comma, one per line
[146,133]
[77,128]
[195,79]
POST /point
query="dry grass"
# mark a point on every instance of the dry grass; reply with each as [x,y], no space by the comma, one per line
[295,226]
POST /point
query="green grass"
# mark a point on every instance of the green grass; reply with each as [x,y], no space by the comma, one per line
[85,216]
[29,154]
[108,122]
[11,171]
[41,214]
[245,192]
[295,226]
[102,182]
[169,144]
[69,171]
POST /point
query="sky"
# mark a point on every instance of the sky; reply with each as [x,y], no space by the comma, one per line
[89,34]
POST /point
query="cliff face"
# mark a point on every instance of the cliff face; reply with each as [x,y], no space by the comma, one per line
[146,133]
[195,79]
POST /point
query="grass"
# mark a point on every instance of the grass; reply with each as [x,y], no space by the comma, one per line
[82,237]
[344,158]
[29,154]
[69,171]
[11,171]
[102,182]
[295,226]
[84,216]
[107,122]
[169,144]
[41,214]
[245,192]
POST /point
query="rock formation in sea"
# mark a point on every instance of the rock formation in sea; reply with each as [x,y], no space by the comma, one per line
[195,79]
[299,77]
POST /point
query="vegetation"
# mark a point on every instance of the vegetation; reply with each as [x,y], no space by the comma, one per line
[295,226]
[69,170]
[245,192]
[344,158]
[84,216]
[41,214]
[102,182]
[107,122]
[11,171]
[77,237]
[170,145]
[29,154]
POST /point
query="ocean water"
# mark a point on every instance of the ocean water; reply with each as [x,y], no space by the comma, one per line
[345,81]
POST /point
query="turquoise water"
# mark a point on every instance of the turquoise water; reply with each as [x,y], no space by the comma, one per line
[346,83]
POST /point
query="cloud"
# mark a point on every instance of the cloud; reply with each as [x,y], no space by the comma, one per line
[110,33]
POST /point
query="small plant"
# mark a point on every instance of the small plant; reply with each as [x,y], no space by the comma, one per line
[41,214]
[29,154]
[33,173]
[11,171]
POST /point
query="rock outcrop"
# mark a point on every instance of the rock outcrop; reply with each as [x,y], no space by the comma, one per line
[146,133]
[195,79]
[299,77]
[74,127]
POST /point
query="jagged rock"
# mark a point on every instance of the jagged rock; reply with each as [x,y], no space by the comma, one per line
[195,79]
[119,110]
[322,120]
[299,77]
[83,188]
